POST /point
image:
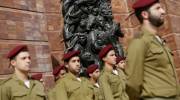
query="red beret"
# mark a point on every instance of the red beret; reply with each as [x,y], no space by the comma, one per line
[12,53]
[105,50]
[119,58]
[91,68]
[70,54]
[143,3]
[57,69]
[37,76]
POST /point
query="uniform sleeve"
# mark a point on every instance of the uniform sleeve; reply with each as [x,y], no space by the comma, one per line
[5,93]
[134,69]
[60,91]
[105,87]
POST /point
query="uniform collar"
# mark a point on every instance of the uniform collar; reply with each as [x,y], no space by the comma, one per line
[146,32]
[20,82]
[112,72]
[72,76]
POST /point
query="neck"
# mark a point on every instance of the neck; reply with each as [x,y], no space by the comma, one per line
[21,75]
[150,27]
[108,66]
[93,81]
[75,74]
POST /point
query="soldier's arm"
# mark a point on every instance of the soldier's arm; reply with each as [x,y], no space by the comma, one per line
[105,88]
[5,93]
[134,69]
[60,91]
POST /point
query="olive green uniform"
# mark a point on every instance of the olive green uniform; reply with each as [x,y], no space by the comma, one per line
[113,86]
[97,94]
[15,89]
[70,88]
[150,68]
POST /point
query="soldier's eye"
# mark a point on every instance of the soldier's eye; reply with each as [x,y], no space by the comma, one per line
[23,58]
[29,58]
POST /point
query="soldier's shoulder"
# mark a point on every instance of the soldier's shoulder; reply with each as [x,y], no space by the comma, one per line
[104,74]
[7,81]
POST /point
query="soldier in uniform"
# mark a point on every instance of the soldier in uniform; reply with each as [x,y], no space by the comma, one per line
[150,70]
[93,73]
[59,72]
[20,86]
[72,86]
[111,83]
[120,63]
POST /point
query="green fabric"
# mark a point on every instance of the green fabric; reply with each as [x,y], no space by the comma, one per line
[150,68]
[15,89]
[69,88]
[113,86]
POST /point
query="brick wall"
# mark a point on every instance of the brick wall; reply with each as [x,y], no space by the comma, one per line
[39,24]
[36,23]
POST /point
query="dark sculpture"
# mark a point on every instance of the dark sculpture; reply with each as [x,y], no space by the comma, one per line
[88,26]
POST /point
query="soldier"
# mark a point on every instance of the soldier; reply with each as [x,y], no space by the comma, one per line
[71,86]
[110,80]
[93,73]
[20,86]
[120,63]
[59,72]
[150,70]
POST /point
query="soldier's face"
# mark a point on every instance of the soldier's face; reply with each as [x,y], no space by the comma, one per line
[110,58]
[74,65]
[156,15]
[22,61]
[95,74]
[121,64]
[62,73]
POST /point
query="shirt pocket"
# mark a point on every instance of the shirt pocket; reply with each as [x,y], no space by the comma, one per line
[40,95]
[156,50]
[19,96]
[114,84]
[71,89]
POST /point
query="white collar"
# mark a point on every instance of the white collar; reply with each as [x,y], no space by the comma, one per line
[115,72]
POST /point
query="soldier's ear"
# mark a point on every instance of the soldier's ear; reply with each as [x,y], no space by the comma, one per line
[145,14]
[104,59]
[13,62]
[90,75]
[66,65]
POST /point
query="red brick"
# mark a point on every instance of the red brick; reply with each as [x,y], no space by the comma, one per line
[52,6]
[171,42]
[175,23]
[119,6]
[53,22]
[178,73]
[56,41]
[173,7]
[176,58]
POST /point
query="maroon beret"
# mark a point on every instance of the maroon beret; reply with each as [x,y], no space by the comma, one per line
[57,69]
[91,68]
[12,53]
[119,58]
[143,3]
[37,76]
[105,50]
[70,54]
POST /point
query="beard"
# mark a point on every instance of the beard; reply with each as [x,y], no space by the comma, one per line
[155,21]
